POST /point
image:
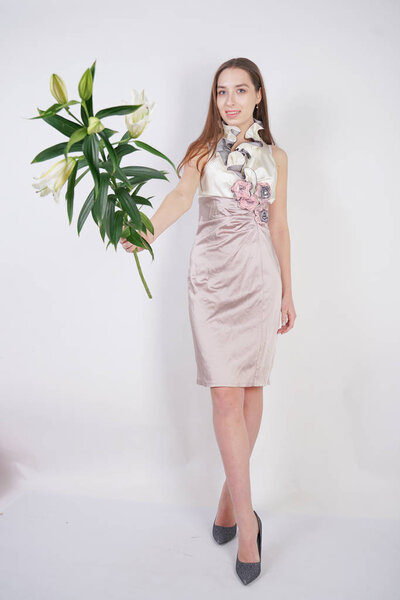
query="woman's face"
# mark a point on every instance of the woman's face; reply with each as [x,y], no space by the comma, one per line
[236,97]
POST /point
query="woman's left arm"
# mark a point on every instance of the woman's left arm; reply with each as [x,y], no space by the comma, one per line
[279,230]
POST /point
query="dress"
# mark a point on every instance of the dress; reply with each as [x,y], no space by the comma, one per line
[234,276]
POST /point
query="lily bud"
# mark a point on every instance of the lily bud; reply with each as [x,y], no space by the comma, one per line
[85,86]
[95,125]
[58,89]
[137,120]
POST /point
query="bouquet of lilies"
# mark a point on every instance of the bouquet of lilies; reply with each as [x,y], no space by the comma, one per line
[114,200]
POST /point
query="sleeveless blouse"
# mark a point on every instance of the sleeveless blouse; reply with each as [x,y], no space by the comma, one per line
[248,173]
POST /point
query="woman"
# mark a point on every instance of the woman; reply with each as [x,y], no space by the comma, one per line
[239,280]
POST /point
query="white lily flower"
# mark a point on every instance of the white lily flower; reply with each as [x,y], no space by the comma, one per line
[138,119]
[52,180]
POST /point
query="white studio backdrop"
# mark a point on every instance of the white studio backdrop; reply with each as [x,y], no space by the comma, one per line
[98,391]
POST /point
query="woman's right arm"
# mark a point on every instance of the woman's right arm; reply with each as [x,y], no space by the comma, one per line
[174,205]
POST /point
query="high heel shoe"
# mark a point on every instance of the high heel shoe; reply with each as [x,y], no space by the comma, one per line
[248,571]
[223,534]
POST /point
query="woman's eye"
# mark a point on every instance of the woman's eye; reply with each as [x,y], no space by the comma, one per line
[239,90]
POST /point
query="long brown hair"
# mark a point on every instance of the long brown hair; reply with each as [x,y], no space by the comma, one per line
[213,128]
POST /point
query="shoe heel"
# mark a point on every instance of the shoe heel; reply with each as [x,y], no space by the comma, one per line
[248,571]
[259,536]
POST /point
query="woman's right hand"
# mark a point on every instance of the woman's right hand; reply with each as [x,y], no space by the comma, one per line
[128,246]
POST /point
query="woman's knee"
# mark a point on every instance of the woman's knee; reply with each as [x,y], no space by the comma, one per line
[227,401]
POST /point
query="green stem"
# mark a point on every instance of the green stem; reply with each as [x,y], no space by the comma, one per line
[73,116]
[85,108]
[146,287]
[114,187]
[141,274]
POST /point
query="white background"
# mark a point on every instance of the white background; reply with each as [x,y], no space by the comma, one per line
[98,392]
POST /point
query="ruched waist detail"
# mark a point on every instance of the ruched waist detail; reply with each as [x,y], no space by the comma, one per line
[221,207]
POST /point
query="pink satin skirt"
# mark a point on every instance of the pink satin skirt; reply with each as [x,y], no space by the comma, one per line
[234,296]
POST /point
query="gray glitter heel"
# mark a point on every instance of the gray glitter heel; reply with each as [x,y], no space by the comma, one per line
[223,534]
[248,571]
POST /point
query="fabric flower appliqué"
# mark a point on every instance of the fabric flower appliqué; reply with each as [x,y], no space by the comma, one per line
[257,202]
[250,193]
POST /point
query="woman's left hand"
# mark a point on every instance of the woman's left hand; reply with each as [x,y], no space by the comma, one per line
[288,315]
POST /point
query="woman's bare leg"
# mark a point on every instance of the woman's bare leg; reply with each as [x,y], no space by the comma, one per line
[232,436]
[253,410]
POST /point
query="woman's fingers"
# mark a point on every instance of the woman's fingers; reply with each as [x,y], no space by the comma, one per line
[287,322]
[128,246]
[283,319]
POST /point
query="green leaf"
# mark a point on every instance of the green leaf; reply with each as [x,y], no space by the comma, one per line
[123,149]
[94,214]
[118,173]
[146,221]
[142,174]
[53,109]
[90,148]
[93,69]
[65,126]
[119,217]
[129,206]
[69,195]
[84,116]
[109,132]
[137,188]
[141,200]
[125,109]
[152,150]
[77,136]
[126,137]
[101,202]
[102,230]
[89,106]
[109,217]
[56,150]
[111,152]
[81,175]
[85,210]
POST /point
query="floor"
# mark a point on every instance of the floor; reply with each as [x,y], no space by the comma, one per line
[55,547]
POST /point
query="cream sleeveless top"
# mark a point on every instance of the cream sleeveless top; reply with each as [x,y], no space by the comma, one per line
[248,169]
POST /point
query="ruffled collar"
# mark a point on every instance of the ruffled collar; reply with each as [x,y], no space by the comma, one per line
[252,138]
[232,131]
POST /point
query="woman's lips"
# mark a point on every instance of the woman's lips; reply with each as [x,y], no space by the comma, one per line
[233,113]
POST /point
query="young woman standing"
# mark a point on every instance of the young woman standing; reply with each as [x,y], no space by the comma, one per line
[239,280]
